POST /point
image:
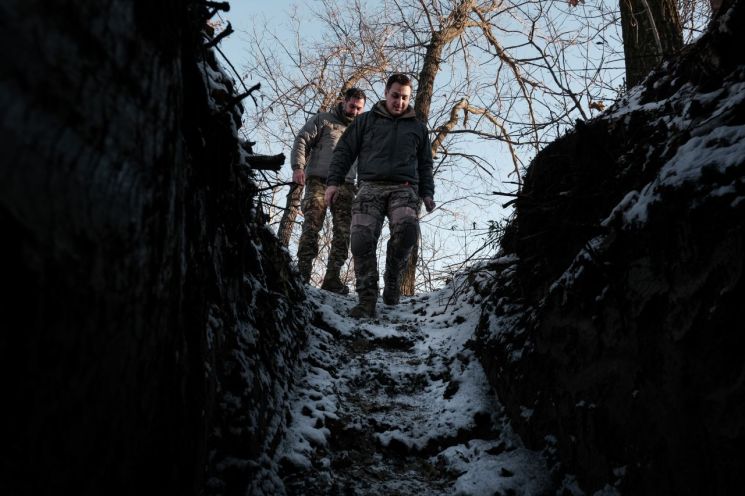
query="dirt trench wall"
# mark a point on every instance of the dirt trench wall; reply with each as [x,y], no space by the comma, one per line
[151,321]
[613,335]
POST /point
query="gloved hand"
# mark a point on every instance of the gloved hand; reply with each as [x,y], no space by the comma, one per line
[298,177]
[429,203]
[330,195]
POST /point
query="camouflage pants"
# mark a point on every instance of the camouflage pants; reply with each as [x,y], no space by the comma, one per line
[313,207]
[374,202]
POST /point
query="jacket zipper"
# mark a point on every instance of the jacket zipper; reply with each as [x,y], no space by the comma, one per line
[393,148]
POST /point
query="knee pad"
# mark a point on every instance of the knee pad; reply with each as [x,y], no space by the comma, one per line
[362,242]
[403,236]
[404,229]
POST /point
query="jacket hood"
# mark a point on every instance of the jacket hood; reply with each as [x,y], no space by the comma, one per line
[381,110]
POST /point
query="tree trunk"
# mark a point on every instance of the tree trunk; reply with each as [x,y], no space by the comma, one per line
[288,218]
[421,105]
[408,279]
[452,27]
[651,31]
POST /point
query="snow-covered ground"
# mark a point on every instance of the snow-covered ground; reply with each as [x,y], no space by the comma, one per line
[400,405]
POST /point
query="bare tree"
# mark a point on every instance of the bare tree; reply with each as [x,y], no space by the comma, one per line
[651,31]
[292,207]
[322,72]
[694,15]
[443,29]
[496,81]
[459,33]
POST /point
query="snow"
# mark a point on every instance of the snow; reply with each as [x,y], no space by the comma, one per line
[406,385]
[711,160]
[403,386]
[517,471]
[714,153]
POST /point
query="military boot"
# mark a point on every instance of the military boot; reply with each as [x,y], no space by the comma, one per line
[335,286]
[332,282]
[391,294]
[304,268]
[364,309]
[392,288]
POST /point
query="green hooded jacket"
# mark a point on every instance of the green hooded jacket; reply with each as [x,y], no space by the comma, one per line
[387,148]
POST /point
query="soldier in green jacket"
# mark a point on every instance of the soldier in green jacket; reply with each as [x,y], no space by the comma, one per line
[394,169]
[310,158]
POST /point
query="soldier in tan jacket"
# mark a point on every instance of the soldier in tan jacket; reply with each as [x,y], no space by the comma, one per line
[310,159]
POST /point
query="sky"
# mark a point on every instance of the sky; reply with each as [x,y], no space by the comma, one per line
[454,229]
[461,223]
[244,14]
[424,339]
[409,378]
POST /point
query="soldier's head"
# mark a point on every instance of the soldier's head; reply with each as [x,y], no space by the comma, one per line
[397,94]
[354,102]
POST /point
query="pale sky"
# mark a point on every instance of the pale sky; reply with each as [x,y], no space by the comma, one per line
[243,14]
[464,226]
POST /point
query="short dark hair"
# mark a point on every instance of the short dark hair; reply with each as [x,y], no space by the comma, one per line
[401,79]
[354,93]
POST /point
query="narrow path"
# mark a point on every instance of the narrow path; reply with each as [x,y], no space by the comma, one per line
[398,405]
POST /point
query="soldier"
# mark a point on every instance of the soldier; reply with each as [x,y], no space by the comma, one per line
[310,158]
[394,169]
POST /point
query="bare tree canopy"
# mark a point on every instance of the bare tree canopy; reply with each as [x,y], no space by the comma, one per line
[495,82]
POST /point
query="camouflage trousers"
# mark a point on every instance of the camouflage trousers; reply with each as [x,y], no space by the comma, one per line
[374,202]
[313,207]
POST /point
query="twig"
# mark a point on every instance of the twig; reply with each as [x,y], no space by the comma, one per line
[237,99]
[272,186]
[217,39]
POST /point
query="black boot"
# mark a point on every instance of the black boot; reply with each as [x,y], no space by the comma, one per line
[392,293]
[392,288]
[332,282]
[335,286]
[305,269]
[364,309]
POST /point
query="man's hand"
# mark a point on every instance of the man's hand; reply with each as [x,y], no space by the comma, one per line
[298,177]
[429,203]
[330,194]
